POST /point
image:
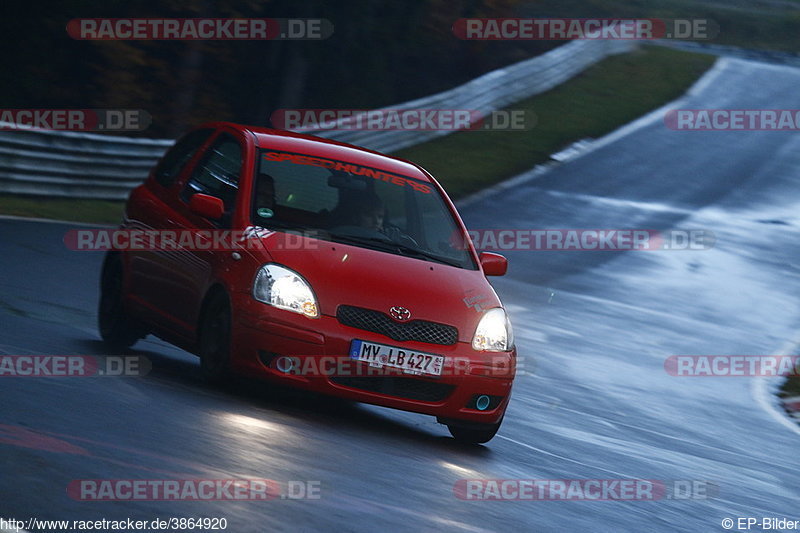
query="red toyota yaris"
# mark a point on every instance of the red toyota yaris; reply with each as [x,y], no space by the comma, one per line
[317,264]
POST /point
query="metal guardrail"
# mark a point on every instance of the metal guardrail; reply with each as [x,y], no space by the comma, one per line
[83,165]
[77,165]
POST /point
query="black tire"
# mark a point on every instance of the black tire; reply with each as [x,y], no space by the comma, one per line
[474,434]
[214,340]
[117,328]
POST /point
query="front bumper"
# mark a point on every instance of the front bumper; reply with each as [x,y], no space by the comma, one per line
[313,354]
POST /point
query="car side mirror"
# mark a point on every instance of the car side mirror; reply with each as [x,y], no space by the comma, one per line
[493,264]
[206,206]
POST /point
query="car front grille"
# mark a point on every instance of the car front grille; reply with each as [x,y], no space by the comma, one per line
[400,387]
[414,330]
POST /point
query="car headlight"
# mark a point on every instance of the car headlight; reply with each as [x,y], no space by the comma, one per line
[493,333]
[285,289]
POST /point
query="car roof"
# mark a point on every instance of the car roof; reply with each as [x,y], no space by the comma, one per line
[290,141]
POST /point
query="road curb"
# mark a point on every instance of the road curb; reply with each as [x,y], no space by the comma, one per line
[767,396]
[792,407]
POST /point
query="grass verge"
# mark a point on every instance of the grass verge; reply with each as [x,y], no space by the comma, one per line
[74,210]
[611,93]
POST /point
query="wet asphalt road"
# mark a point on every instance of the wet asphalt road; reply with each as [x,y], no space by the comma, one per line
[593,400]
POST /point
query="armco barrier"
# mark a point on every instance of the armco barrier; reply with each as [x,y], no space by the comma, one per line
[77,165]
[83,165]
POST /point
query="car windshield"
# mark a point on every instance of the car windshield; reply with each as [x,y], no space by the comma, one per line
[358,205]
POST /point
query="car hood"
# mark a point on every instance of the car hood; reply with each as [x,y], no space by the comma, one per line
[350,275]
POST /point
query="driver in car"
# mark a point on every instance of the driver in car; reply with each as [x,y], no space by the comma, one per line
[372,212]
[371,215]
[367,211]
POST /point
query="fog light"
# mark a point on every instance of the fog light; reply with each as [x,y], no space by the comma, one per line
[482,402]
[285,364]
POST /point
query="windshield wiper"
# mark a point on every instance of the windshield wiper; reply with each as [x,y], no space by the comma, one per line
[388,245]
[383,244]
[410,250]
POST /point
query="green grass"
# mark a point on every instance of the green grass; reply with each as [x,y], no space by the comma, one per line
[96,211]
[604,97]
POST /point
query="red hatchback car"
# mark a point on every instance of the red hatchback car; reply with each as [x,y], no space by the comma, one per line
[316,264]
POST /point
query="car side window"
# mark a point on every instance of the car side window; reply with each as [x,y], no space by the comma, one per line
[218,173]
[176,157]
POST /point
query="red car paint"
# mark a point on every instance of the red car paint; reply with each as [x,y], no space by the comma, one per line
[166,290]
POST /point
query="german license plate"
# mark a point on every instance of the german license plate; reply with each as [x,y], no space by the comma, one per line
[409,361]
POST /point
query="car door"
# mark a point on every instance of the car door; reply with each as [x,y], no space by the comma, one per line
[188,271]
[155,210]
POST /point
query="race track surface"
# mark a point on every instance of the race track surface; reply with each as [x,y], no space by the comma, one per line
[592,401]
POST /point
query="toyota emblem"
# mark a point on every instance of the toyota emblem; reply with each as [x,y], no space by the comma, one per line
[400,313]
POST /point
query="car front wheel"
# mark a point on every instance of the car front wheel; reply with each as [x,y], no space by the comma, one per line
[473,434]
[215,340]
